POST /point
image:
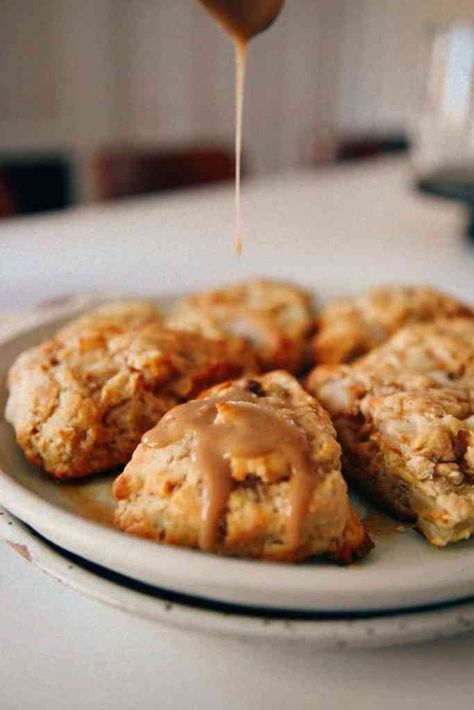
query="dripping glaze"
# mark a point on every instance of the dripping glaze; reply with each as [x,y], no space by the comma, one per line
[259,429]
[242,19]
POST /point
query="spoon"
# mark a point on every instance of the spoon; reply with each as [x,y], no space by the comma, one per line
[244,18]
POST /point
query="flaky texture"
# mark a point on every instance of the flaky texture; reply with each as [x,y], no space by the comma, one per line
[408,443]
[350,327]
[443,349]
[160,492]
[81,401]
[122,313]
[271,318]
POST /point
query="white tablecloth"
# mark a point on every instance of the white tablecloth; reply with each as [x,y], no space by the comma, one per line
[342,230]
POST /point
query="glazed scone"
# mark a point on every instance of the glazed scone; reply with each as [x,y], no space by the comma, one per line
[273,318]
[351,327]
[80,402]
[251,468]
[408,444]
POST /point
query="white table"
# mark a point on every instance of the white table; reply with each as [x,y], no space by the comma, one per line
[62,650]
[361,226]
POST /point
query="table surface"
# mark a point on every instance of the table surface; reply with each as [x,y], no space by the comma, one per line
[335,229]
[340,229]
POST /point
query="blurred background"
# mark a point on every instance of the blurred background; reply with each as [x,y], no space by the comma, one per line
[110,98]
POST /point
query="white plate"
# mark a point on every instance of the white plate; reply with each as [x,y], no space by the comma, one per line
[404,571]
[158,606]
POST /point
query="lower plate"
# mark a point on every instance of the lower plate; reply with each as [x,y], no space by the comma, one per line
[156,605]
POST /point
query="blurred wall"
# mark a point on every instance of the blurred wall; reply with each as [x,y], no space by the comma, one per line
[57,74]
[76,75]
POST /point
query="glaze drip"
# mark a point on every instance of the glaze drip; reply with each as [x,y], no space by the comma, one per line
[239,424]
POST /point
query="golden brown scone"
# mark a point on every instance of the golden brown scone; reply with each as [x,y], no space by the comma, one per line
[272,318]
[404,414]
[81,401]
[408,443]
[223,473]
[350,327]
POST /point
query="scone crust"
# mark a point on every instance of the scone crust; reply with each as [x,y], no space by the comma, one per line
[159,493]
[120,313]
[351,327]
[443,349]
[271,318]
[80,402]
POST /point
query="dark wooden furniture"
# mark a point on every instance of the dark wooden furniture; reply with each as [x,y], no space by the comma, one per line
[341,149]
[123,172]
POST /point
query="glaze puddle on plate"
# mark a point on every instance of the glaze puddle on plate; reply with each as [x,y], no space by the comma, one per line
[90,498]
[382,527]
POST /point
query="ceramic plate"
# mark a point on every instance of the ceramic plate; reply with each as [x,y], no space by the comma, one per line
[166,608]
[404,571]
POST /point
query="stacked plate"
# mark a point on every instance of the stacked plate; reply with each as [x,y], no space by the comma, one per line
[406,590]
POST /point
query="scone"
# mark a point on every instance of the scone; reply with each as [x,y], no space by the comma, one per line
[251,468]
[273,318]
[403,414]
[80,402]
[350,327]
[408,443]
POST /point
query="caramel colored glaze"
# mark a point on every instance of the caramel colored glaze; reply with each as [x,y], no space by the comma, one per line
[86,505]
[244,19]
[240,61]
[260,430]
[381,526]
